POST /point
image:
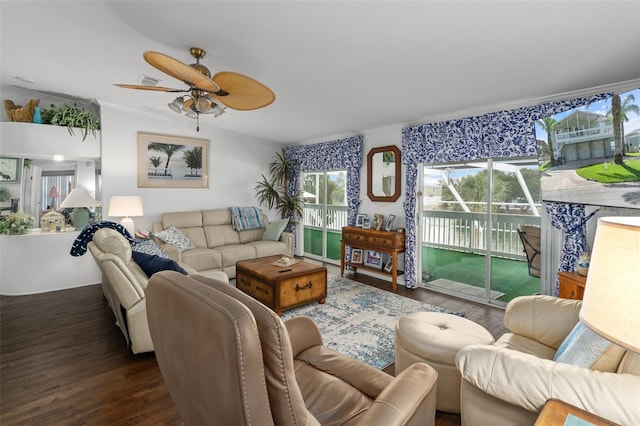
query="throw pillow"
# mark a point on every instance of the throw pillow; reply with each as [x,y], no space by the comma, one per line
[176,238]
[582,347]
[151,264]
[148,247]
[275,229]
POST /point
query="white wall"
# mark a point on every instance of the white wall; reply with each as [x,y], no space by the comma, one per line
[235,165]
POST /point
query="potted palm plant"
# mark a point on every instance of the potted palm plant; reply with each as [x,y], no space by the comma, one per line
[273,193]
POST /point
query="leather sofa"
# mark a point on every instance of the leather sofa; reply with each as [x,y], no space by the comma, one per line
[218,246]
[124,285]
[508,383]
[240,364]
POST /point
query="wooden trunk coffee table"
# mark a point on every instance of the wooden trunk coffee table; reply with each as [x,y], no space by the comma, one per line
[279,287]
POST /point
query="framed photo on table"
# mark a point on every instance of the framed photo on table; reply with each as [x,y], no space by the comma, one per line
[360,219]
[388,266]
[378,221]
[366,223]
[389,225]
[356,256]
[373,259]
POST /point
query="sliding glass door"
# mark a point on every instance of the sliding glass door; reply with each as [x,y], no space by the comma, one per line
[468,232]
[325,213]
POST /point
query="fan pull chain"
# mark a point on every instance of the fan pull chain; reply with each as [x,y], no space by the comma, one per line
[197,122]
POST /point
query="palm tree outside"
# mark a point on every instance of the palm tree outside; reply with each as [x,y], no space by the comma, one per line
[548,123]
[619,113]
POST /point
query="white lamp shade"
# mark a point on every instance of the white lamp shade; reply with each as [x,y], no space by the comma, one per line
[611,303]
[79,197]
[125,206]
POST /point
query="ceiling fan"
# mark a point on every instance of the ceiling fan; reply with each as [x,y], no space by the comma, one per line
[206,94]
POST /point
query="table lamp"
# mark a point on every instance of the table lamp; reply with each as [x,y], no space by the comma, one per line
[53,194]
[125,206]
[611,303]
[79,199]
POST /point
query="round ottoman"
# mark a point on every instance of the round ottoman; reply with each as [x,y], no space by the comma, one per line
[435,338]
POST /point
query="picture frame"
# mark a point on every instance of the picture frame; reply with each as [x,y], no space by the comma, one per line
[373,259]
[366,223]
[9,170]
[360,219]
[356,255]
[378,221]
[389,224]
[166,161]
[388,266]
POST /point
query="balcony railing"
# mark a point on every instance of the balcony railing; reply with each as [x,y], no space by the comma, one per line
[446,229]
[563,136]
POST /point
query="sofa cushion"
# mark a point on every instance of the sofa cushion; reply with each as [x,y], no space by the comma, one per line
[221,235]
[182,220]
[149,247]
[233,253]
[585,348]
[269,248]
[176,238]
[151,264]
[275,229]
[202,259]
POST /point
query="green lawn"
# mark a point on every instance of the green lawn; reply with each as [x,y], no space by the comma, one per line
[611,173]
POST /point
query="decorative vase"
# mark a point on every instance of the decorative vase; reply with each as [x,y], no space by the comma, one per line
[582,266]
[37,117]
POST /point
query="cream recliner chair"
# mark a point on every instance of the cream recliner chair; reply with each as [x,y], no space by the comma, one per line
[229,360]
[508,383]
[124,285]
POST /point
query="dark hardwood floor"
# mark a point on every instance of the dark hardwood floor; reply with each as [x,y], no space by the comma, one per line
[64,362]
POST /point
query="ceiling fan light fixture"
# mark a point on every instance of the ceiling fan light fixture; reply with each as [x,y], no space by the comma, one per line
[204,94]
[177,104]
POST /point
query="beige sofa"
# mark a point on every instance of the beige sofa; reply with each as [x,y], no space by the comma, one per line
[508,383]
[124,285]
[218,246]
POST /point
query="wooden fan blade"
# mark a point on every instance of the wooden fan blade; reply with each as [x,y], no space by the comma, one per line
[182,72]
[243,93]
[156,88]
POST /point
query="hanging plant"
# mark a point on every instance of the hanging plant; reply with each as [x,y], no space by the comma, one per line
[72,117]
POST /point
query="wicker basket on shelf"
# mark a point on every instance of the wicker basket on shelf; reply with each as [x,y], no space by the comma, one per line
[20,113]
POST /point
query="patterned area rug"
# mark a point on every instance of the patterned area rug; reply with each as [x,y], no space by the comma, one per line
[359,320]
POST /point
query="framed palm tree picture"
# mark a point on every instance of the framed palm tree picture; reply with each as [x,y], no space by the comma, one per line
[166,161]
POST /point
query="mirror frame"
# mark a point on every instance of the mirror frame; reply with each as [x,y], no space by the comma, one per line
[396,193]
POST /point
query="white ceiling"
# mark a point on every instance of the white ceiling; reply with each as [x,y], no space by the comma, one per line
[336,67]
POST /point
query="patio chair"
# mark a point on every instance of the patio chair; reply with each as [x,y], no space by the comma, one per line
[530,237]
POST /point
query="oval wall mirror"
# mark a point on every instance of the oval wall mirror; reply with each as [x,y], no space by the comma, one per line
[383,173]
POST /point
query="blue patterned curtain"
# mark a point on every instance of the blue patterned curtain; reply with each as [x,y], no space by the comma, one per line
[503,134]
[342,154]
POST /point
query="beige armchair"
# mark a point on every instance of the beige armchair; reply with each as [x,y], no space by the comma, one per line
[228,359]
[509,382]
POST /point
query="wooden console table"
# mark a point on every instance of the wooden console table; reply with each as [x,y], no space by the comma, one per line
[369,239]
[571,285]
[556,412]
